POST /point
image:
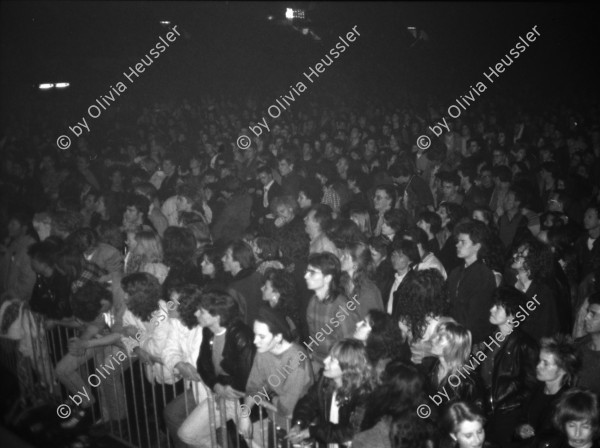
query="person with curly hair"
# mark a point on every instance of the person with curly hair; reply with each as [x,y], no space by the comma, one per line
[556,371]
[421,308]
[391,420]
[533,262]
[383,339]
[279,291]
[356,272]
[335,404]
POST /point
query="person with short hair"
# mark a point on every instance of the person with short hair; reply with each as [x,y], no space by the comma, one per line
[589,346]
[245,283]
[576,418]
[556,371]
[471,285]
[317,222]
[224,364]
[508,366]
[281,371]
[463,427]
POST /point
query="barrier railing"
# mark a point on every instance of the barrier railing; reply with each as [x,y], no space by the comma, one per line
[126,389]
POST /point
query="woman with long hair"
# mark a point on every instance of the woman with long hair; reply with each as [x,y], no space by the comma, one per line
[362,218]
[335,404]
[146,255]
[392,410]
[421,308]
[356,272]
[279,291]
[382,338]
[451,348]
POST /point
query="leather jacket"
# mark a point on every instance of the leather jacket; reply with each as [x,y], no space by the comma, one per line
[315,406]
[461,386]
[238,355]
[513,377]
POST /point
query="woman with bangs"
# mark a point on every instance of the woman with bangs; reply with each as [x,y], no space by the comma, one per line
[576,418]
[451,348]
[333,409]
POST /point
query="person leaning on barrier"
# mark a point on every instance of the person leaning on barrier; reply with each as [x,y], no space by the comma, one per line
[224,363]
[333,409]
[89,304]
[281,369]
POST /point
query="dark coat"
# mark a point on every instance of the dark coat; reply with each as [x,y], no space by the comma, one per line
[513,377]
[315,407]
[245,288]
[233,219]
[466,388]
[470,294]
[238,356]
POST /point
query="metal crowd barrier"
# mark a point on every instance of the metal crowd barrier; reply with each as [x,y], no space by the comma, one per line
[34,358]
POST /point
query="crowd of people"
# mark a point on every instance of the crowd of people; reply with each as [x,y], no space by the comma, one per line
[334,273]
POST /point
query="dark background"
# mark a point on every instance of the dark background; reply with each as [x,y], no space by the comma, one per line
[231,47]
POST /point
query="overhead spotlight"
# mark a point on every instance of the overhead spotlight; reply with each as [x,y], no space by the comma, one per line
[62,85]
[46,86]
[292,14]
[165,22]
[270,17]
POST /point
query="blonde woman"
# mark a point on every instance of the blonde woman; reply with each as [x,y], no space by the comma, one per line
[145,255]
[447,368]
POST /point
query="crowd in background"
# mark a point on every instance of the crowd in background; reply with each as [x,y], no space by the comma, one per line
[334,268]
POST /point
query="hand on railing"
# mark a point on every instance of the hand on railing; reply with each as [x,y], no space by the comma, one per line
[188,371]
[245,427]
[228,392]
[297,435]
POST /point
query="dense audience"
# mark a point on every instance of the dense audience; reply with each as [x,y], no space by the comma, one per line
[334,273]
